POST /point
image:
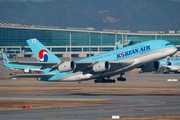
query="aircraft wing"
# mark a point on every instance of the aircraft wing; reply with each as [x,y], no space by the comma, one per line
[43,64]
[33,75]
[87,66]
[122,63]
[80,65]
[83,66]
[33,63]
[54,65]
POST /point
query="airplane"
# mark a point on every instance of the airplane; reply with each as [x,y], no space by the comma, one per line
[25,68]
[100,67]
[170,65]
[118,44]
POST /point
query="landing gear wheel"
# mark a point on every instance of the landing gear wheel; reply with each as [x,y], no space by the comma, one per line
[113,81]
[97,81]
[103,80]
[124,79]
[121,78]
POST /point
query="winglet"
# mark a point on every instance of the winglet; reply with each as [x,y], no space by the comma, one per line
[5,59]
[41,53]
[119,45]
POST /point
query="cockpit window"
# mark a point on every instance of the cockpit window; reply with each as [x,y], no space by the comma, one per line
[168,44]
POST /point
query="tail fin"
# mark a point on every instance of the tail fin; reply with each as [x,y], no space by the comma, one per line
[5,60]
[119,45]
[41,53]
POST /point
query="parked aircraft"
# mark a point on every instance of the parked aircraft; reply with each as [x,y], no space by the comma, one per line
[25,68]
[100,67]
[170,65]
[119,46]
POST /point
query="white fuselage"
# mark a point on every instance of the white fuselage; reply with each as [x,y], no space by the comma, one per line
[173,68]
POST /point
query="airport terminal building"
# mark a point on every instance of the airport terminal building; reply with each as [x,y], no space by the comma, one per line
[79,42]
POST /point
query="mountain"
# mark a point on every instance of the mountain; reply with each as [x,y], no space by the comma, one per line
[133,15]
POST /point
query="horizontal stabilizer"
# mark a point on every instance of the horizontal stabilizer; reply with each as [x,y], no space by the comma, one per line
[33,75]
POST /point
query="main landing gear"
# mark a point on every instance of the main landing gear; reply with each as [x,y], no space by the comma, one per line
[103,80]
[121,78]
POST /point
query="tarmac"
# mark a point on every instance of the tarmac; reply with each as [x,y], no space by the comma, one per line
[136,105]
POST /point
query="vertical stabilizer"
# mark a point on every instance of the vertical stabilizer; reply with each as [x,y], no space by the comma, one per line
[41,53]
[5,60]
[119,45]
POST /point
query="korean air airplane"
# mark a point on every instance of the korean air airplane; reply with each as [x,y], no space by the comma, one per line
[25,68]
[100,67]
[170,65]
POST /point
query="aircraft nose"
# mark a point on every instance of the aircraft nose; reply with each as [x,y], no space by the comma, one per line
[174,49]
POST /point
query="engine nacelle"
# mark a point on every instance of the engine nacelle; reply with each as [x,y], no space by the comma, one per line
[101,66]
[153,66]
[27,70]
[168,63]
[67,66]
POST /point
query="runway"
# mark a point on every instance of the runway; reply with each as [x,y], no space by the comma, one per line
[93,87]
[137,105]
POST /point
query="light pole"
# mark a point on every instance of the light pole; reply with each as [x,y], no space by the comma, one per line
[101,42]
[70,46]
[155,35]
[122,38]
[89,44]
[126,37]
[115,38]
[161,35]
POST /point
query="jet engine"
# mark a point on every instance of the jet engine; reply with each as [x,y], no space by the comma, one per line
[168,63]
[67,66]
[101,66]
[153,66]
[27,70]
